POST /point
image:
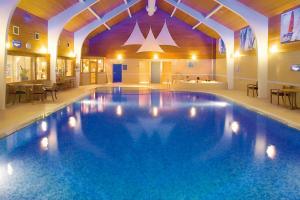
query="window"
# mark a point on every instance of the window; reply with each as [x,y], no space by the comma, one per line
[101,65]
[37,36]
[41,68]
[65,68]
[85,65]
[16,30]
[19,68]
[70,68]
[60,70]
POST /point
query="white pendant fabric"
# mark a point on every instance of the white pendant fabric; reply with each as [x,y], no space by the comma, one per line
[150,44]
[165,38]
[136,37]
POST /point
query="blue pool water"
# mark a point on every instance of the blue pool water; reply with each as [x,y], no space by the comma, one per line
[151,146]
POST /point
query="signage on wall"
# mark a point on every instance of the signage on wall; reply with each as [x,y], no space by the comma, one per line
[124,67]
[17,43]
[190,64]
[28,45]
[295,68]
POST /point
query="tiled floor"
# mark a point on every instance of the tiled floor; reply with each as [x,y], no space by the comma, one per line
[17,116]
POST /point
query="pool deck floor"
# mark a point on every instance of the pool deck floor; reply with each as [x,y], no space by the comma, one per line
[19,115]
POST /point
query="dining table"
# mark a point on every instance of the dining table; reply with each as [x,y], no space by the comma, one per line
[28,87]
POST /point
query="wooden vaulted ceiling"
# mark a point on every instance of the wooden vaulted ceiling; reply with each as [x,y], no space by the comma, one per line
[48,8]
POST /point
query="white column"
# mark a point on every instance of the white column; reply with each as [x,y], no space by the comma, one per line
[6,11]
[55,27]
[259,24]
[78,43]
[229,42]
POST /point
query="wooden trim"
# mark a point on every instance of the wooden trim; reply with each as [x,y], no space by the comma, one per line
[21,53]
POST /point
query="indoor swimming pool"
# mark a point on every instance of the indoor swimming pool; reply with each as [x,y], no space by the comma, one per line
[151,145]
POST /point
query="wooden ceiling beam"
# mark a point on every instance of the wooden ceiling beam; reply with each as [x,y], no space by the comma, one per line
[98,17]
[128,10]
[209,15]
[175,8]
[82,34]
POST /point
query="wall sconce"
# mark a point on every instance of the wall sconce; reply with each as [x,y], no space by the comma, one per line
[274,49]
[72,54]
[7,45]
[237,54]
[119,57]
[155,57]
[43,50]
[194,57]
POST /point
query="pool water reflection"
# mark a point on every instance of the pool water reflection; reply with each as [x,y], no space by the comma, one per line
[151,145]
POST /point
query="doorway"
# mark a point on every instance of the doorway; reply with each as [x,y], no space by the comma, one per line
[117,73]
[93,71]
[155,72]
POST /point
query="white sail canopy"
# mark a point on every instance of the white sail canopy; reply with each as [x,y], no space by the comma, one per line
[136,37]
[165,38]
[150,44]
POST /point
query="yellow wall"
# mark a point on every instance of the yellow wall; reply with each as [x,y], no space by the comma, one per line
[221,71]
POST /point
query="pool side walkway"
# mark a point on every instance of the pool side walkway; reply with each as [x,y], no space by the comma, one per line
[19,115]
[263,106]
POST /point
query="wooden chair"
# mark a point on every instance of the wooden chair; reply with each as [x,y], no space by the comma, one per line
[38,91]
[52,89]
[279,93]
[254,88]
[15,91]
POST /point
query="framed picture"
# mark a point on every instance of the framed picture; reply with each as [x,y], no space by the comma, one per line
[247,39]
[290,26]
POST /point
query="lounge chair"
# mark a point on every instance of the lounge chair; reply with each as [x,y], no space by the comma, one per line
[254,88]
[52,89]
[39,91]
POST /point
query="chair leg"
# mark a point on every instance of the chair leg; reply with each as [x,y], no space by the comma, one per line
[277,99]
[14,100]
[52,96]
[55,92]
[271,99]
[290,101]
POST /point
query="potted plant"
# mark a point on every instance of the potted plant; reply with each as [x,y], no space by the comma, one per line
[23,74]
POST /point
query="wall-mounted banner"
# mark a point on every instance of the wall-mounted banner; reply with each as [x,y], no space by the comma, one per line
[28,45]
[17,43]
[290,26]
[222,47]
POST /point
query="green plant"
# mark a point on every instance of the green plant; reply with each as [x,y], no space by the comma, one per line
[23,73]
